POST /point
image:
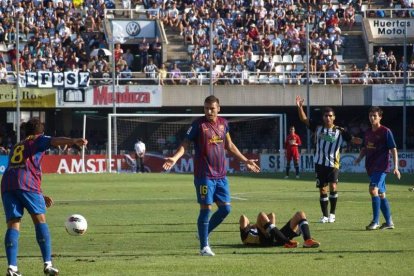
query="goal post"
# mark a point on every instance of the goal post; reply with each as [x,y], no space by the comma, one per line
[162,133]
[93,126]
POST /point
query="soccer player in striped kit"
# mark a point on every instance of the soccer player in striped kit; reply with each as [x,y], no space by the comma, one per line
[211,138]
[329,139]
[20,189]
[378,143]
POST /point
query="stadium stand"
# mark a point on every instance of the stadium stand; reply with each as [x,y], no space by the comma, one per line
[258,42]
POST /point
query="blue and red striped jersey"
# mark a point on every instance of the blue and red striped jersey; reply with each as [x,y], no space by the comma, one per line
[24,170]
[377,148]
[209,144]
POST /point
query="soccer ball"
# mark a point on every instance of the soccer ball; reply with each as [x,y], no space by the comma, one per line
[76,225]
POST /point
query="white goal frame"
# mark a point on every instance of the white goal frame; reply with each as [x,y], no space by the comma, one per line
[280,116]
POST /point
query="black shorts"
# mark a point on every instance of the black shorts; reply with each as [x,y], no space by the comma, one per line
[286,230]
[325,175]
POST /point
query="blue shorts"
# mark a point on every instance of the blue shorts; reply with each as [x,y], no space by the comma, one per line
[377,179]
[15,201]
[212,190]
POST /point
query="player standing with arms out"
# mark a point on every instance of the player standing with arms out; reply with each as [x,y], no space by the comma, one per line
[211,138]
[379,142]
[20,189]
[329,139]
[292,145]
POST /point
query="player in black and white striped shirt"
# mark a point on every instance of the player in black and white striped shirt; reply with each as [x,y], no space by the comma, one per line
[328,138]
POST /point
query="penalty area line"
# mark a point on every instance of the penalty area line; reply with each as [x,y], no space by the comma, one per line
[238,198]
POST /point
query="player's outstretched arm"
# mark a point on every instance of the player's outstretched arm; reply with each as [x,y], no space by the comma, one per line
[63,141]
[301,112]
[170,161]
[250,163]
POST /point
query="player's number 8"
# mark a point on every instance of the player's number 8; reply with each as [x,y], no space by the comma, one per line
[17,155]
[203,190]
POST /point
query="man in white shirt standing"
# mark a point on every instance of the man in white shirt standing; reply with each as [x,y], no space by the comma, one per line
[3,74]
[139,155]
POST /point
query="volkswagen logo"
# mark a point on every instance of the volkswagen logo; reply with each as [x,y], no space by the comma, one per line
[133,28]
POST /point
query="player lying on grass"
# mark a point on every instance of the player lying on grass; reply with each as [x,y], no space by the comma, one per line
[265,233]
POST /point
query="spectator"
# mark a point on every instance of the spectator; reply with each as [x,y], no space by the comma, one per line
[334,73]
[172,18]
[118,52]
[192,76]
[350,16]
[175,75]
[125,74]
[366,75]
[3,74]
[355,75]
[392,61]
[128,57]
[121,62]
[253,33]
[126,5]
[2,33]
[2,59]
[376,75]
[143,50]
[156,51]
[340,12]
[162,74]
[277,44]
[261,65]
[295,75]
[151,70]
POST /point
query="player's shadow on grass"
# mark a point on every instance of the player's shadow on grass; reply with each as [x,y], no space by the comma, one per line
[161,223]
[270,250]
[406,180]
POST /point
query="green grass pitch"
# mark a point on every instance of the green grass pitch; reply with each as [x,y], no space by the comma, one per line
[145,224]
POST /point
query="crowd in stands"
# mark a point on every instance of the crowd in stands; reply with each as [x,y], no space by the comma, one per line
[385,69]
[53,35]
[61,35]
[265,42]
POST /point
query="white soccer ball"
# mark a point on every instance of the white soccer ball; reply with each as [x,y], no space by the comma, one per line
[76,225]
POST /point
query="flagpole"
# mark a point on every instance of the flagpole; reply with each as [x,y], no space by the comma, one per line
[17,81]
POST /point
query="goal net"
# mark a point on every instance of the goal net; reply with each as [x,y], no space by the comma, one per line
[162,134]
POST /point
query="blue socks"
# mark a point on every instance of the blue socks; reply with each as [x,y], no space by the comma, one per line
[218,217]
[386,210]
[375,209]
[205,226]
[202,224]
[43,239]
[11,242]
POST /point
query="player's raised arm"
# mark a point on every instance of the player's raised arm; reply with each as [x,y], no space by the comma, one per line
[250,163]
[301,112]
[170,161]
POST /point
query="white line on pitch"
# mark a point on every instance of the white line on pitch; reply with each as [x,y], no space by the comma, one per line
[239,198]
